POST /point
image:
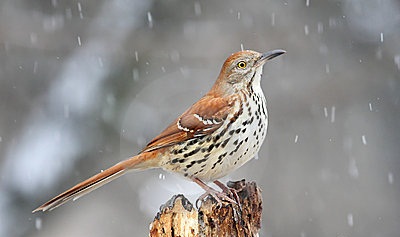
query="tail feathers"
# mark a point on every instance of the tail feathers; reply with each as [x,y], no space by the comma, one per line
[94,182]
[83,188]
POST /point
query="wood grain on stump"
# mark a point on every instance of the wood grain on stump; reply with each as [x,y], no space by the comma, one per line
[178,217]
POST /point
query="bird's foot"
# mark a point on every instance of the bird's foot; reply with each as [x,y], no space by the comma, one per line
[217,195]
[229,191]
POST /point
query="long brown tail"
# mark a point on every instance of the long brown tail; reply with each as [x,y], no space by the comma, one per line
[96,181]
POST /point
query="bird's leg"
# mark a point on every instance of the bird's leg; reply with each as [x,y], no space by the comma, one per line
[218,196]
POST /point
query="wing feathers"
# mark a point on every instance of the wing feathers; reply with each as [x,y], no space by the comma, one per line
[202,118]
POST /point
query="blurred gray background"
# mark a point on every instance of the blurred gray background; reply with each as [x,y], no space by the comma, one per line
[85,84]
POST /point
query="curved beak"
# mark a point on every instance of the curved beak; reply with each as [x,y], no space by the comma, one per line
[269,55]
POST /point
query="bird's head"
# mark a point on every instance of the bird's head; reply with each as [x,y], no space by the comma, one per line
[242,68]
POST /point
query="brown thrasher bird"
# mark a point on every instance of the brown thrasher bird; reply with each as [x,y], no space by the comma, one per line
[215,136]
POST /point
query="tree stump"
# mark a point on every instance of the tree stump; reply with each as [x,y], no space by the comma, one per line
[178,217]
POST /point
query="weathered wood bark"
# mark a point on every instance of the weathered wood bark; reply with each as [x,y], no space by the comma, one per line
[178,217]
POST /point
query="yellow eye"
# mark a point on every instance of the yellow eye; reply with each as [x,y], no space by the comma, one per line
[242,65]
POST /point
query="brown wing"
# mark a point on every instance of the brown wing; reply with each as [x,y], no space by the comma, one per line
[204,117]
